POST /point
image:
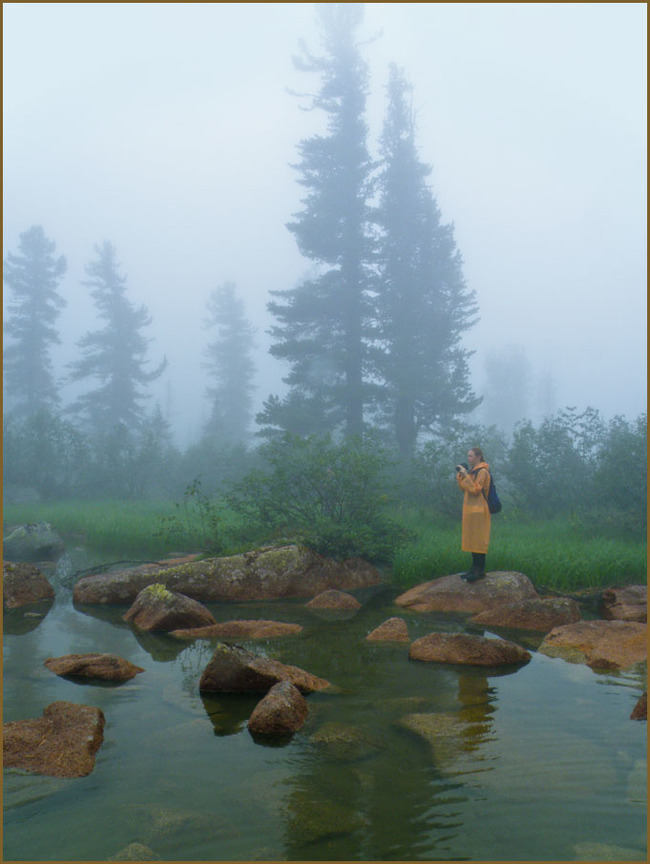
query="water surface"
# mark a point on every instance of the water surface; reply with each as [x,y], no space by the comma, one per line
[407,760]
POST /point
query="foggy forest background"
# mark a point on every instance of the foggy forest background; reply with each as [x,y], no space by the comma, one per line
[371,340]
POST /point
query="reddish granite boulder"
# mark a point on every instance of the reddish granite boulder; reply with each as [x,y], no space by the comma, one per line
[464,649]
[640,710]
[106,667]
[22,584]
[599,644]
[629,603]
[452,594]
[392,630]
[281,711]
[263,574]
[156,608]
[61,743]
[243,629]
[335,600]
[233,669]
[537,613]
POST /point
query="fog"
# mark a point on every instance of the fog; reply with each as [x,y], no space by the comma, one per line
[170,129]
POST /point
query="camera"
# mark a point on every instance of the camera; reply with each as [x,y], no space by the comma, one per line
[459,468]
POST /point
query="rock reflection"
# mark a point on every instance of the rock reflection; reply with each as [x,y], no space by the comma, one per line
[24,619]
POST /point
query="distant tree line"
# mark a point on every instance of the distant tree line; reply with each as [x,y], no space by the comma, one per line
[372,337]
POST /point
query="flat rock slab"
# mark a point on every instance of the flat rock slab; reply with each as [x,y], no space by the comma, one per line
[234,669]
[452,594]
[263,574]
[464,649]
[243,629]
[392,630]
[158,609]
[282,711]
[629,603]
[335,600]
[599,644]
[539,614]
[61,743]
[105,667]
[22,584]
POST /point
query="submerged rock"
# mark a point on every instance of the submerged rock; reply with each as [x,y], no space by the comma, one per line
[345,742]
[464,649]
[264,574]
[61,743]
[599,644]
[234,669]
[135,852]
[283,710]
[22,584]
[156,608]
[452,594]
[106,667]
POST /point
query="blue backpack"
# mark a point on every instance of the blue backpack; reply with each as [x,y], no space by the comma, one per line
[493,502]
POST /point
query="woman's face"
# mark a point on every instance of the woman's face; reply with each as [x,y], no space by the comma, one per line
[472,459]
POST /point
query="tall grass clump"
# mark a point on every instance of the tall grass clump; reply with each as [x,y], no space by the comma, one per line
[552,554]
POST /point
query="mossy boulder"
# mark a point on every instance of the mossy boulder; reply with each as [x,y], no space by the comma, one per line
[157,608]
[265,574]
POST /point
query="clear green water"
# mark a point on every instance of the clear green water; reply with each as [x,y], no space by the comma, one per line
[541,763]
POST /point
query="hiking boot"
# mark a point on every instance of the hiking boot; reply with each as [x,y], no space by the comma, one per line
[474,576]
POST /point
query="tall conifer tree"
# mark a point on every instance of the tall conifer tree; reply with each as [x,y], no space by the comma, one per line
[33,276]
[322,325]
[423,304]
[114,357]
[230,366]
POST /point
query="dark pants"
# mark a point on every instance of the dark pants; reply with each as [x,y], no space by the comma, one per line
[478,561]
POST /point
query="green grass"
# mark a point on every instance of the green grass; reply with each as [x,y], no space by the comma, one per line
[118,529]
[554,555]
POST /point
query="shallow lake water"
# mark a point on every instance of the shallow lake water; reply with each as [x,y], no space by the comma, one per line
[405,761]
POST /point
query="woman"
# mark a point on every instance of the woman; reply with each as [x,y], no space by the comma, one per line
[475,483]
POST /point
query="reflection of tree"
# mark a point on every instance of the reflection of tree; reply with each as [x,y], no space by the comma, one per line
[401,801]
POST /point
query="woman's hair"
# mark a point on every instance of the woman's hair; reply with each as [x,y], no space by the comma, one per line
[478,452]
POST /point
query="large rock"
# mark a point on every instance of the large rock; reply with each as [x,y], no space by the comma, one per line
[233,669]
[465,649]
[629,603]
[61,743]
[537,613]
[392,630]
[281,711]
[34,541]
[156,608]
[105,667]
[452,594]
[338,601]
[22,584]
[599,644]
[242,629]
[265,574]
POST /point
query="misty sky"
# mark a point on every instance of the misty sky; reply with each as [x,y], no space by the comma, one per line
[169,129]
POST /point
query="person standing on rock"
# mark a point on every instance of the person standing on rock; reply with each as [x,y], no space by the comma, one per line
[474,479]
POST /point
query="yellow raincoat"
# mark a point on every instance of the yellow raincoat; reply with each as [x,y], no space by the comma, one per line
[476,516]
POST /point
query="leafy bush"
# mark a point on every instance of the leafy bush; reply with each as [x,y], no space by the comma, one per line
[326,495]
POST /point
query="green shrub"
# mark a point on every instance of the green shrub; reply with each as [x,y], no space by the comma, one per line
[329,496]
